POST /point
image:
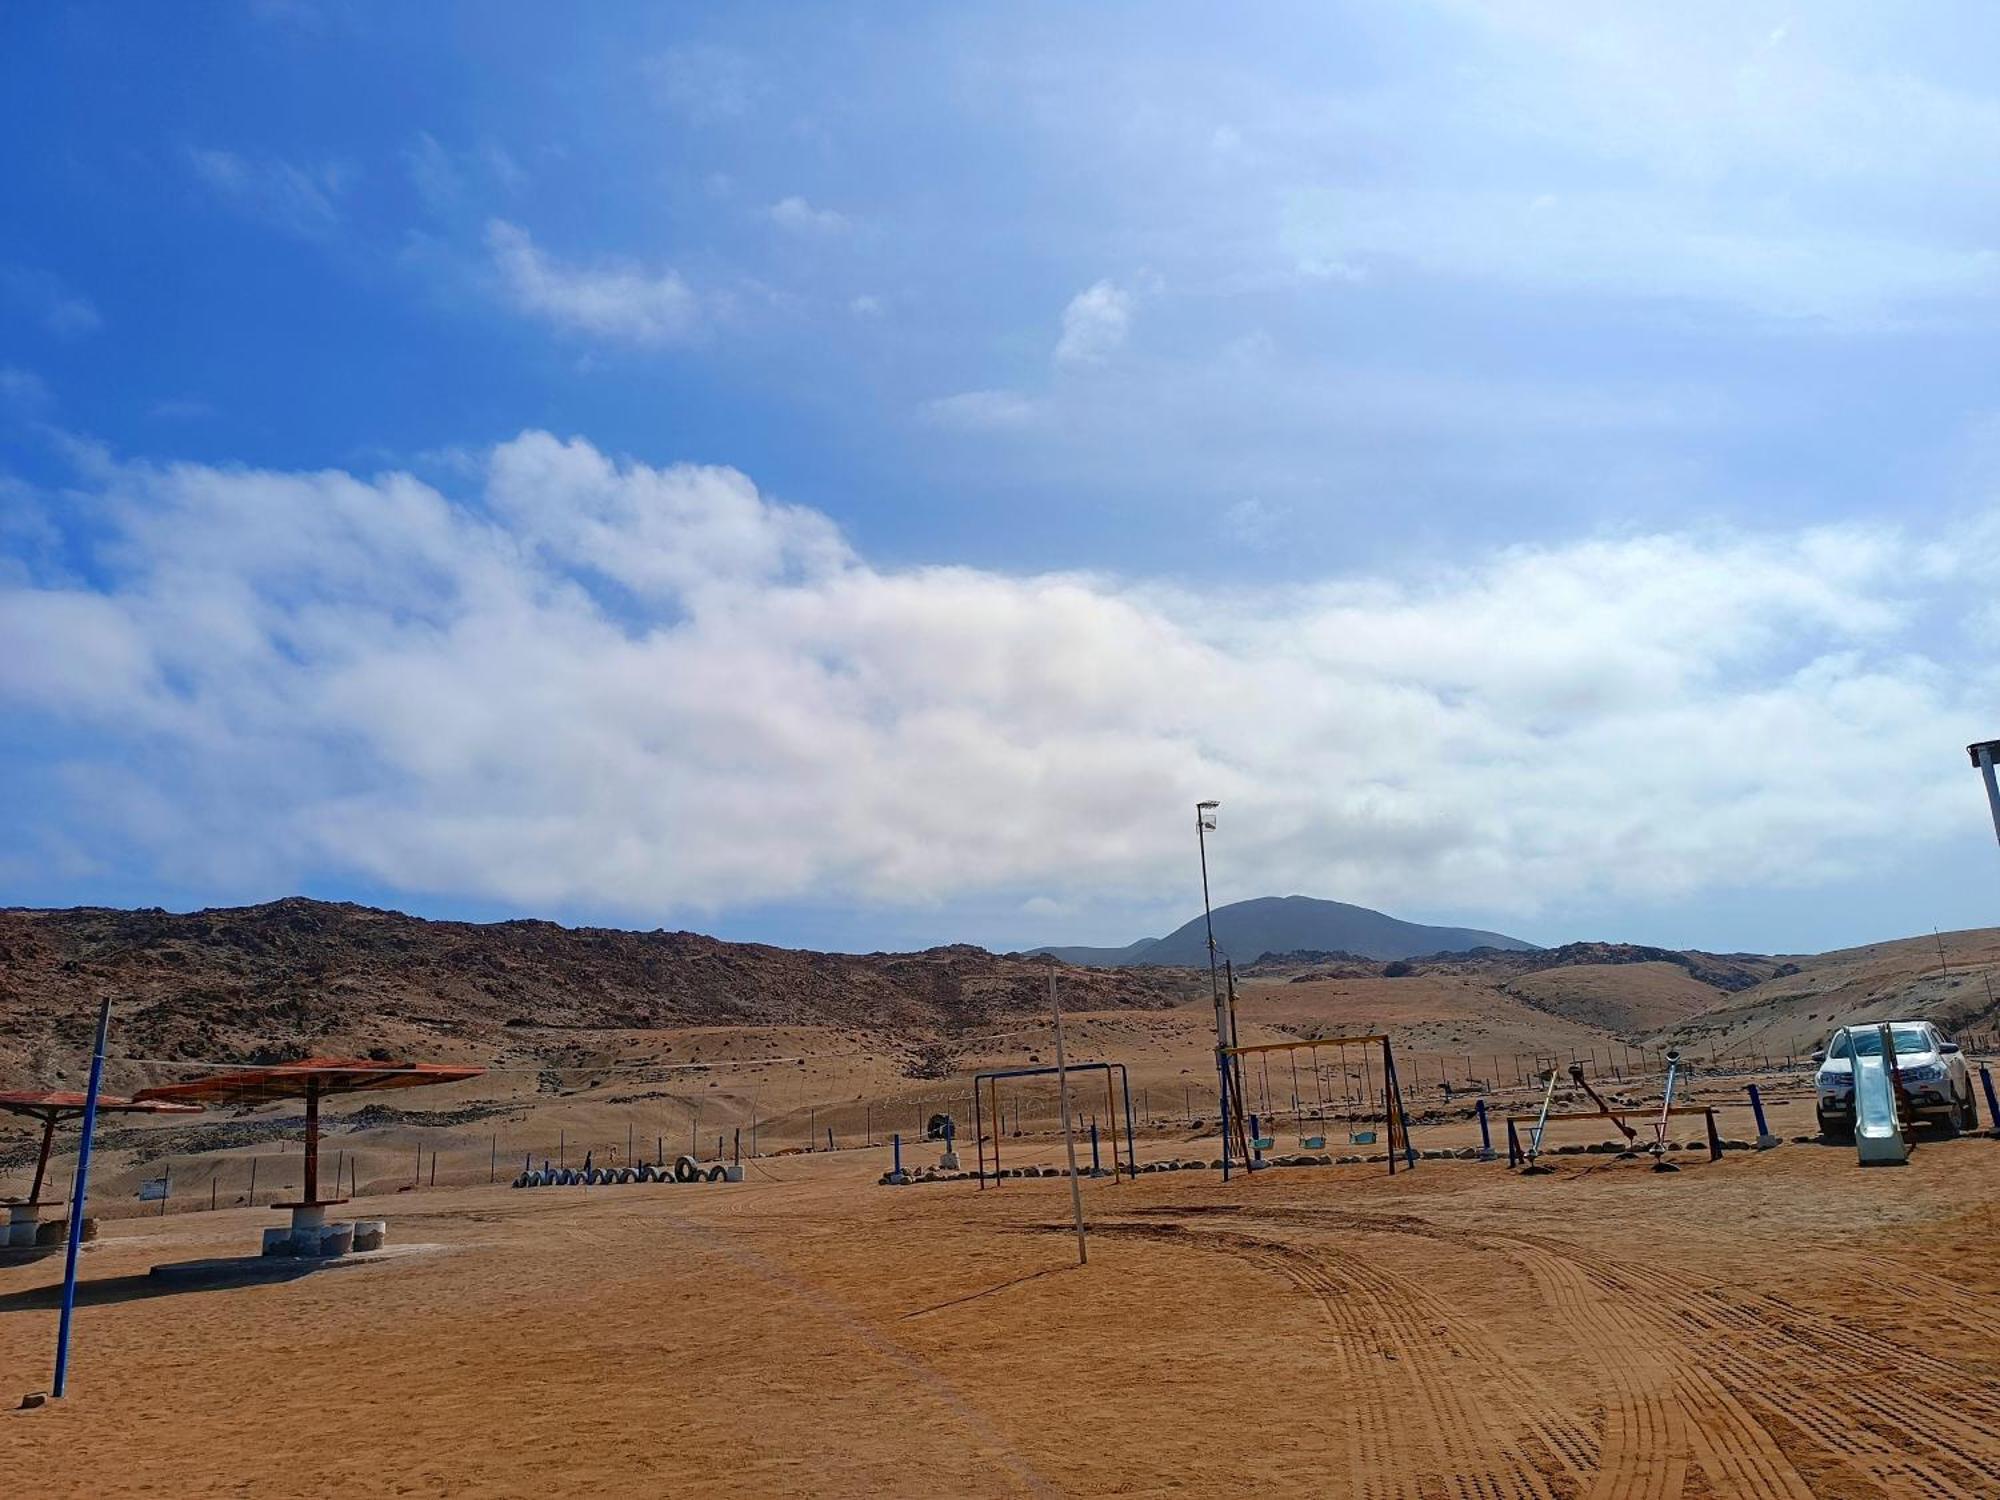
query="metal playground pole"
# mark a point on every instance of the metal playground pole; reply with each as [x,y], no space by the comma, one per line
[77,1199]
[1660,1162]
[1069,1136]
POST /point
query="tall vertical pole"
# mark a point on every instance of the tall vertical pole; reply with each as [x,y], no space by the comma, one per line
[1069,1136]
[1983,757]
[78,1198]
[1203,820]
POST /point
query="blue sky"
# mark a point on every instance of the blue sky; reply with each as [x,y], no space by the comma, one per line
[853,477]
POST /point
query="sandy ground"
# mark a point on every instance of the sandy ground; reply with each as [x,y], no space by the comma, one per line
[1776,1324]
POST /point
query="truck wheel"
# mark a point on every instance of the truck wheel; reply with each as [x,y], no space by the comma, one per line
[1833,1132]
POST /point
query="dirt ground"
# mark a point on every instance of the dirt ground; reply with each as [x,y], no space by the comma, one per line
[1773,1324]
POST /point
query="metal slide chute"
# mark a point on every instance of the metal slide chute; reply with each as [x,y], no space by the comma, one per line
[1879,1137]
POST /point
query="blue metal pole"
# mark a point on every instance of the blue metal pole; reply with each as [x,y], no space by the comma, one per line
[1095,1166]
[897,1141]
[1992,1101]
[77,1199]
[1757,1109]
[1485,1130]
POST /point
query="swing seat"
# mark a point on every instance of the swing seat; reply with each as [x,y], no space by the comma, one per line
[1313,1143]
[1262,1142]
[1361,1137]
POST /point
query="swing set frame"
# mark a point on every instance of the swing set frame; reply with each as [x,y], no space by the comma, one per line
[1395,1120]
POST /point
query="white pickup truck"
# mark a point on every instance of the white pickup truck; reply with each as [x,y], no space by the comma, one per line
[1936,1083]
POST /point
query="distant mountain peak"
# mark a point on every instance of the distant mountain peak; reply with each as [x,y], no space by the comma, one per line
[1246,930]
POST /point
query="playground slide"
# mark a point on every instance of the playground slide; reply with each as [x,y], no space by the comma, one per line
[1878,1139]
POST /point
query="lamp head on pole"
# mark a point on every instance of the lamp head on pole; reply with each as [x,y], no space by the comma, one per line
[1204,814]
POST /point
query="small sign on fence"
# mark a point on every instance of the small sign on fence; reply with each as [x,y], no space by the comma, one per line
[152,1190]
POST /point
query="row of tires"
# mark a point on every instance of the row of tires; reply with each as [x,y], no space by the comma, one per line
[685,1169]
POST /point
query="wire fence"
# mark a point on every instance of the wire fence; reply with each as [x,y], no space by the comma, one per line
[1328,1093]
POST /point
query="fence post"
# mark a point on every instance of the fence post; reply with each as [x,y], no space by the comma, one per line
[1765,1140]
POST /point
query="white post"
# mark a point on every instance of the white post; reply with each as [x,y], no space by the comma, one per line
[1069,1136]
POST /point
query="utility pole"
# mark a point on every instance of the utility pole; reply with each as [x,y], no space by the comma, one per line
[1204,824]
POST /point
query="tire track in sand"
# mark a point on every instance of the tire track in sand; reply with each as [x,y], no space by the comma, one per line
[1861,1400]
[1902,1421]
[1564,1447]
[1461,1455]
[1646,1442]
[1569,1442]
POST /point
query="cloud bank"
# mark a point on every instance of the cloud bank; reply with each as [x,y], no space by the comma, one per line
[595,684]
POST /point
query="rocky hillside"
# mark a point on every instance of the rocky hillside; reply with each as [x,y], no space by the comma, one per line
[1952,978]
[272,981]
[1627,989]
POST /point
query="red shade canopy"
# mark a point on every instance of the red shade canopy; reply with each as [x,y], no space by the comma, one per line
[312,1076]
[51,1105]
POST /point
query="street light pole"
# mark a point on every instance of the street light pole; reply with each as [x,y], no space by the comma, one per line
[1985,755]
[1204,820]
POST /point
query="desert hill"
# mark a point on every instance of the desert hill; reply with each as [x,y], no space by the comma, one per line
[1246,930]
[1952,978]
[260,982]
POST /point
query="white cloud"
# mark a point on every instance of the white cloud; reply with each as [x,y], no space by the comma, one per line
[984,411]
[650,691]
[1095,324]
[302,200]
[622,303]
[45,297]
[796,216]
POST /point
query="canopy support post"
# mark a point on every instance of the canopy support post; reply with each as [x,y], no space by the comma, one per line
[312,1140]
[42,1159]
